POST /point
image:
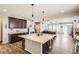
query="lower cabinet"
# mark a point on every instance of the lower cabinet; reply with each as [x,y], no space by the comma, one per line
[17,41]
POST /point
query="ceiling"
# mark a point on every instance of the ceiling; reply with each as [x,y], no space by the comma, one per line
[51,10]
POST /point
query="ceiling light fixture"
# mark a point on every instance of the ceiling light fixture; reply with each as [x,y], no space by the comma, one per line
[4,10]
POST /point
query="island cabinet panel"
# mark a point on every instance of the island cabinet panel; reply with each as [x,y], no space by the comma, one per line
[33,47]
[38,44]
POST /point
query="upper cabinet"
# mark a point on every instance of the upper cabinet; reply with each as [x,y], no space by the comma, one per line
[17,23]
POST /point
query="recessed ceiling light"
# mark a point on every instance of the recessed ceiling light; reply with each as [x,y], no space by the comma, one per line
[4,10]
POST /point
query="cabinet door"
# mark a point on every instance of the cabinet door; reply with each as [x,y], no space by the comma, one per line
[17,23]
[24,23]
[12,22]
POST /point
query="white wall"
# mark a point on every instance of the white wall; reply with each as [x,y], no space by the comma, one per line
[5,29]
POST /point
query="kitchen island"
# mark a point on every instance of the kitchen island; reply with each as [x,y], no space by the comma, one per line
[34,43]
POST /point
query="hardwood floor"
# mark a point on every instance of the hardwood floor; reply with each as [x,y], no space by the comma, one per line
[62,44]
[11,49]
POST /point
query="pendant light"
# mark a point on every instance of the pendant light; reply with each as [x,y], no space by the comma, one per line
[43,15]
[32,11]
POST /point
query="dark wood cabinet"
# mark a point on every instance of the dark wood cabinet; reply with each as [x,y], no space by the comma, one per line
[12,22]
[14,37]
[17,23]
